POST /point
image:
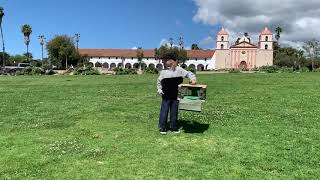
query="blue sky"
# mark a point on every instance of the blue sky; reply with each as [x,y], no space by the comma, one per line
[104,23]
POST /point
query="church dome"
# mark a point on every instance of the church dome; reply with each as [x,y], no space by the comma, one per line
[223,32]
[244,39]
[266,31]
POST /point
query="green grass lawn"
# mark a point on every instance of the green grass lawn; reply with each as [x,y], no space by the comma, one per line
[254,126]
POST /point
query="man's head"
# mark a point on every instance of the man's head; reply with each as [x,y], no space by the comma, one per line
[171,63]
[170,59]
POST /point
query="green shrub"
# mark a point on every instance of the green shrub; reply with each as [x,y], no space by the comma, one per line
[122,71]
[50,72]
[31,71]
[286,70]
[234,71]
[89,70]
[304,69]
[269,69]
[255,69]
[151,71]
[316,70]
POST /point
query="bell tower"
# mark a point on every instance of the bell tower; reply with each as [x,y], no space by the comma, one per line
[266,40]
[222,40]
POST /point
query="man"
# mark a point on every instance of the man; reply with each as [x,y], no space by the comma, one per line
[167,86]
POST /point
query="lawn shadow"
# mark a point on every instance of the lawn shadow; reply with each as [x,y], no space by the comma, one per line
[193,127]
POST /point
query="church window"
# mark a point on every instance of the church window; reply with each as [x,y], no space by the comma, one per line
[267,38]
[222,38]
[222,46]
[266,46]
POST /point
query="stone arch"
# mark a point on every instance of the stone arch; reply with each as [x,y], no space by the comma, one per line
[200,67]
[143,66]
[119,65]
[128,66]
[113,66]
[192,66]
[159,66]
[243,65]
[105,65]
[184,66]
[151,66]
[98,64]
[91,64]
[136,65]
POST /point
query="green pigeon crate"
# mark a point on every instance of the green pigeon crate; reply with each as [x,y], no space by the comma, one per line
[191,97]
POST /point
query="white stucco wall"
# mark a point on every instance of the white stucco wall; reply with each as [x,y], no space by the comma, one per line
[197,63]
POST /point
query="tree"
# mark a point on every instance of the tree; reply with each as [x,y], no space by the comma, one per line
[28,55]
[27,30]
[195,47]
[13,60]
[278,33]
[61,51]
[164,52]
[3,49]
[4,56]
[289,57]
[171,42]
[140,56]
[312,48]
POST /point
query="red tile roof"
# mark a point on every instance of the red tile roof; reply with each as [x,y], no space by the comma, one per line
[132,53]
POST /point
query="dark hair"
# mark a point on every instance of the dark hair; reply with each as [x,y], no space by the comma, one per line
[170,54]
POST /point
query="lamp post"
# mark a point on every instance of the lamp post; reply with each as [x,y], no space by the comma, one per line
[42,39]
[3,48]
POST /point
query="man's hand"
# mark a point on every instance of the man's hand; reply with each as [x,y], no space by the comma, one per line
[160,92]
[193,82]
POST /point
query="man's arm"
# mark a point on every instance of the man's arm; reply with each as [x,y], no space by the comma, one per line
[190,75]
[159,86]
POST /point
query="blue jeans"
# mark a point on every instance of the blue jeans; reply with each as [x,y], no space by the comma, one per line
[167,105]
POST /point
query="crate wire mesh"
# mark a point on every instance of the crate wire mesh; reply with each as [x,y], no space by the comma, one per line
[191,97]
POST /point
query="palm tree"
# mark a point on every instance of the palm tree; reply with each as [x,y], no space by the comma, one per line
[171,42]
[3,49]
[27,30]
[278,31]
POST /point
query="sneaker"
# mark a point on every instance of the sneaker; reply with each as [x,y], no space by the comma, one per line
[163,132]
[176,131]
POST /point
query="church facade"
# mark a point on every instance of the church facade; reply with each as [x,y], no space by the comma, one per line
[243,54]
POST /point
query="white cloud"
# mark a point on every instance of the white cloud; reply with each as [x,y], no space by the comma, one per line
[207,41]
[166,42]
[299,19]
[134,48]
